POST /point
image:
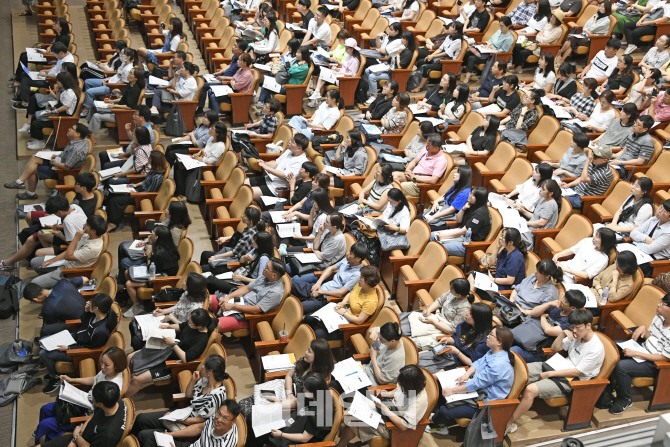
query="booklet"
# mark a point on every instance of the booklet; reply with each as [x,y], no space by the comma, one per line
[52,342]
[75,396]
[155,339]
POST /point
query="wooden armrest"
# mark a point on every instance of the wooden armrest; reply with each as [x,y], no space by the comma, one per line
[79,420]
[179,397]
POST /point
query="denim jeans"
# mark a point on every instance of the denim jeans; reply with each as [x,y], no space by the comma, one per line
[625,370]
[301,286]
[576,201]
[49,359]
[93,88]
[265,93]
[373,78]
[527,356]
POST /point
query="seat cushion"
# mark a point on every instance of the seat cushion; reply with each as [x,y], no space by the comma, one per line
[360,344]
[379,442]
[641,382]
[50,183]
[463,422]
[557,402]
[130,209]
[241,333]
[265,331]
[66,368]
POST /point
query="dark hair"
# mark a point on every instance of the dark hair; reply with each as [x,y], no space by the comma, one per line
[435,140]
[301,141]
[221,131]
[461,96]
[305,55]
[335,94]
[628,60]
[58,47]
[566,69]
[506,339]
[403,100]
[411,41]
[180,54]
[65,26]
[613,43]
[337,220]
[411,379]
[323,359]
[132,56]
[217,366]
[359,250]
[459,30]
[321,181]
[665,204]
[607,240]
[549,64]
[56,203]
[502,65]
[32,291]
[144,112]
[103,303]
[546,171]
[627,262]
[394,87]
[232,407]
[86,180]
[196,288]
[387,173]
[481,196]
[575,298]
[342,35]
[462,287]
[536,95]
[164,244]
[549,268]
[505,20]
[139,74]
[581,139]
[82,130]
[449,89]
[398,196]
[591,84]
[310,168]
[143,135]
[646,185]
[647,121]
[118,357]
[631,110]
[543,10]
[177,28]
[106,393]
[513,80]
[71,68]
[580,316]
[178,215]
[191,67]
[97,224]
[68,82]
[482,316]
[294,46]
[321,198]
[278,267]
[120,45]
[666,298]
[514,236]
[246,58]
[263,240]
[242,44]
[356,143]
[464,181]
[491,131]
[253,214]
[272,18]
[370,275]
[316,384]
[426,128]
[555,190]
[306,3]
[323,10]
[390,331]
[608,95]
[201,318]
[158,162]
[397,26]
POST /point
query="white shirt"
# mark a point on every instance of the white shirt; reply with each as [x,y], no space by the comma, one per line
[213,151]
[587,259]
[451,47]
[541,82]
[529,194]
[408,11]
[57,68]
[468,9]
[401,219]
[100,377]
[320,220]
[321,33]
[74,222]
[602,66]
[69,98]
[286,163]
[122,73]
[326,116]
[602,119]
[186,88]
[645,212]
[587,357]
[268,44]
[534,25]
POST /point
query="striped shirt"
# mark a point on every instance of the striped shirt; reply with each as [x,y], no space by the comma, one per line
[601,177]
[659,341]
[656,59]
[75,153]
[142,163]
[207,438]
[205,405]
[638,146]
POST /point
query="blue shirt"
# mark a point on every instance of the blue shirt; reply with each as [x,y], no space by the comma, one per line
[64,302]
[346,276]
[151,137]
[474,352]
[459,200]
[493,374]
[232,68]
[512,265]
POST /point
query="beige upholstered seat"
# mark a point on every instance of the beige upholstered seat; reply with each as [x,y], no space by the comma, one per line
[227,218]
[519,172]
[418,236]
[576,228]
[604,212]
[428,266]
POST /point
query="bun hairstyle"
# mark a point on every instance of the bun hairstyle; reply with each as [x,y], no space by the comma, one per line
[217,366]
[191,68]
[462,287]
[549,268]
[391,331]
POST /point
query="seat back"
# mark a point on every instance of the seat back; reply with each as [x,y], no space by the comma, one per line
[244,198]
[284,134]
[418,235]
[425,19]
[334,29]
[611,356]
[560,145]
[300,342]
[410,132]
[496,223]
[502,157]
[576,228]
[531,262]
[660,171]
[617,197]
[284,37]
[234,183]
[520,377]
[380,26]
[443,283]
[643,308]
[546,129]
[586,15]
[473,121]
[241,425]
[289,317]
[130,416]
[566,211]
[519,172]
[185,250]
[164,195]
[108,286]
[192,267]
[411,351]
[364,7]
[431,262]
[338,416]
[225,169]
[102,267]
[436,27]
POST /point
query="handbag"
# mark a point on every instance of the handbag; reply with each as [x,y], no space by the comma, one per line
[168,295]
[65,411]
[488,66]
[508,312]
[392,241]
[175,125]
[194,190]
[480,431]
[282,76]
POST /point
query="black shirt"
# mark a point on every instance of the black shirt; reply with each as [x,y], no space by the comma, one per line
[479,20]
[379,107]
[406,58]
[614,82]
[191,341]
[62,38]
[306,18]
[435,98]
[87,206]
[106,431]
[351,5]
[164,262]
[91,334]
[131,96]
[479,222]
[315,420]
[565,89]
[506,101]
[574,6]
[487,86]
[482,142]
[301,190]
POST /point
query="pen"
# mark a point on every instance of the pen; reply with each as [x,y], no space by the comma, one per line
[351,374]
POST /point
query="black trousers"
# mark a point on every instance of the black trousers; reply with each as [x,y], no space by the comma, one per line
[633,33]
[519,55]
[172,150]
[27,84]
[37,126]
[215,284]
[107,163]
[180,175]
[19,73]
[63,441]
[472,61]
[116,205]
[427,67]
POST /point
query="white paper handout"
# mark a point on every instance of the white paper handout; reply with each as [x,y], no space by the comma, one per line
[277,386]
[379,68]
[485,50]
[513,219]
[635,346]
[329,75]
[558,111]
[163,439]
[101,105]
[277,217]
[642,258]
[454,148]
[54,264]
[50,220]
[293,27]
[176,141]
[569,192]
[263,67]
[226,276]
[153,80]
[307,258]
[239,300]
[270,84]
[129,164]
[211,79]
[331,319]
[415,109]
[266,418]
[431,120]
[448,380]
[189,162]
[350,375]
[122,189]
[109,173]
[147,322]
[34,55]
[276,363]
[34,75]
[69,393]
[271,200]
[288,230]
[47,155]
[491,108]
[483,282]
[52,342]
[221,90]
[155,340]
[349,210]
[334,170]
[591,300]
[559,363]
[178,415]
[365,410]
[373,223]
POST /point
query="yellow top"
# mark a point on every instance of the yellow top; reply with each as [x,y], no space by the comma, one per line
[362,302]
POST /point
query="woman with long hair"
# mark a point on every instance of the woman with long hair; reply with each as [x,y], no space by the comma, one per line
[546,212]
[195,294]
[566,84]
[446,207]
[352,154]
[197,138]
[297,75]
[163,254]
[303,208]
[373,197]
[618,277]
[141,157]
[529,191]
[173,36]
[270,42]
[598,25]
[502,41]
[401,59]
[582,103]
[61,28]
[466,344]
[546,31]
[482,140]
[574,159]
[452,111]
[450,49]
[591,256]
[440,93]
[394,120]
[636,209]
[621,78]
[545,74]
[321,208]
[210,154]
[601,117]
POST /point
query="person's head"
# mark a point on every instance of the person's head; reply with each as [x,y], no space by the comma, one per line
[395,29]
[342,36]
[390,89]
[161,239]
[541,173]
[491,123]
[390,334]
[478,323]
[480,5]
[244,61]
[355,139]
[605,8]
[566,70]
[546,64]
[425,129]
[462,179]
[251,216]
[625,65]
[178,214]
[547,270]
[96,225]
[78,132]
[59,50]
[142,136]
[321,201]
[196,288]
[199,319]
[62,27]
[505,24]
[448,84]
[461,93]
[333,98]
[612,45]
[401,101]
[601,155]
[35,293]
[499,68]
[214,369]
[113,361]
[460,288]
[534,99]
[129,55]
[142,116]
[580,323]
[179,58]
[67,82]
[303,55]
[119,46]
[478,197]
[102,303]
[138,77]
[303,6]
[663,308]
[176,28]
[71,68]
[513,239]
[653,75]
[557,17]
[262,242]
[628,113]
[543,10]
[397,200]
[384,173]
[409,41]
[411,380]
[642,188]
[106,394]
[84,182]
[357,253]
[270,23]
[188,70]
[57,205]
[434,143]
[551,190]
[589,88]
[315,388]
[158,162]
[604,240]
[370,277]
[643,124]
[501,339]
[219,131]
[274,269]
[239,47]
[510,83]
[663,212]
[666,97]
[308,171]
[321,14]
[225,416]
[580,141]
[626,263]
[298,144]
[572,300]
[334,222]
[318,358]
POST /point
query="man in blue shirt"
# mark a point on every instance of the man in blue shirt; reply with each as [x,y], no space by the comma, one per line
[226,74]
[313,292]
[141,117]
[484,91]
[63,302]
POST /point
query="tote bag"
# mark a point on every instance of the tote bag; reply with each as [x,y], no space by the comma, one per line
[174,125]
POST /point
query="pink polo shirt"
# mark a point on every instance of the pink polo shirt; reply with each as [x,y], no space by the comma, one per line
[350,65]
[430,165]
[661,110]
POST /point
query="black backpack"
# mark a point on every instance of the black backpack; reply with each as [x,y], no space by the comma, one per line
[9,297]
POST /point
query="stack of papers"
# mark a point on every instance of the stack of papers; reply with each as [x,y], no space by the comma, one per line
[350,375]
[285,231]
[75,396]
[448,380]
[635,346]
[54,264]
[178,415]
[101,105]
[34,55]
[273,387]
[331,319]
[591,300]
[122,189]
[270,200]
[109,173]
[266,418]
[277,217]
[277,363]
[163,439]
[147,323]
[379,68]
[329,75]
[642,258]
[153,80]
[454,148]
[115,153]
[365,410]
[52,342]
[262,67]
[50,220]
[483,282]
[431,120]
[484,49]
[221,90]
[155,340]
[336,171]
[306,258]
[392,158]
[293,27]
[349,210]
[415,109]
[491,108]
[374,224]
[47,155]
[189,162]
[559,363]
[558,111]
[135,247]
[239,300]
[270,84]
[176,141]
[34,207]
[513,219]
[139,272]
[211,79]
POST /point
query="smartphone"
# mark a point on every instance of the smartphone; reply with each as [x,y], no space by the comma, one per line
[268,393]
[376,345]
[237,300]
[654,93]
[439,348]
[163,25]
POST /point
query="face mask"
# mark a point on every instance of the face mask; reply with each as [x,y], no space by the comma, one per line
[601,15]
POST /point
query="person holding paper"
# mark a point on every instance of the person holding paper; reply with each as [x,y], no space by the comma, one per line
[601,117]
[140,151]
[482,140]
[329,243]
[505,97]
[259,50]
[356,307]
[453,110]
[409,402]
[380,105]
[264,294]
[586,355]
[297,75]
[318,30]
[618,277]
[399,59]
[653,237]
[61,303]
[573,161]
[61,29]
[98,322]
[502,41]
[156,166]
[638,147]
[591,256]
[595,178]
[529,191]
[619,130]
[141,118]
[105,428]
[437,95]
[300,186]
[321,209]
[62,55]
[450,49]
[95,87]
[182,88]
[546,212]
[225,73]
[351,152]
[598,25]
[636,209]
[113,362]
[206,392]
[373,198]
[493,374]
[193,335]
[427,167]
[538,288]
[349,67]
[72,157]
[521,120]
[387,356]
[197,138]
[164,255]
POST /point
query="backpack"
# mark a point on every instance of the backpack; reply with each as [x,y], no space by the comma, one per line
[331,138]
[241,143]
[361,95]
[17,383]
[9,297]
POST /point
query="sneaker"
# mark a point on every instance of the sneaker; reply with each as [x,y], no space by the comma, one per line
[83,114]
[5,267]
[27,196]
[15,185]
[24,128]
[134,310]
[314,103]
[630,49]
[37,146]
[52,386]
[444,431]
[620,405]
[371,99]
[511,428]
[19,106]
[315,95]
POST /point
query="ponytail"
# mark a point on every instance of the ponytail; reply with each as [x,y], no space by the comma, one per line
[103,303]
[549,267]
[506,339]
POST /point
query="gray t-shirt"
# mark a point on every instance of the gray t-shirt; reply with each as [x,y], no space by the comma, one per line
[547,210]
[265,294]
[574,165]
[389,362]
[332,249]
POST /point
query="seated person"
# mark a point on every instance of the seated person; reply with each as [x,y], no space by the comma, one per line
[325,117]
[538,288]
[549,33]
[106,427]
[604,63]
[387,356]
[505,96]
[318,30]
[502,41]
[303,208]
[313,292]
[380,105]
[618,278]
[591,256]
[62,55]
[659,109]
[453,110]
[595,178]
[453,200]
[399,59]
[522,119]
[466,345]
[321,208]
[225,74]
[241,82]
[409,402]
[481,142]
[598,25]
[141,118]
[585,351]
[653,237]
[73,220]
[493,374]
[658,55]
[573,161]
[496,78]
[349,68]
[262,295]
[182,88]
[113,362]
[373,198]
[638,147]
[394,120]
[140,152]
[416,144]
[85,184]
[424,327]
[582,103]
[619,129]
[529,191]
[329,245]
[98,322]
[353,156]
[641,93]
[300,185]
[636,209]
[647,25]
[566,84]
[96,87]
[450,48]
[297,74]
[61,303]
[193,337]
[427,167]
[547,322]
[267,126]
[83,251]
[478,20]
[436,95]
[546,212]
[72,157]
[602,116]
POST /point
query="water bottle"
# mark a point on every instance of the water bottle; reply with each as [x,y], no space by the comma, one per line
[174,6]
[468,237]
[604,296]
[152,271]
[392,63]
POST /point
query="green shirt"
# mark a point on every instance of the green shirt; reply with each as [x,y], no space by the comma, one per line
[298,74]
[340,52]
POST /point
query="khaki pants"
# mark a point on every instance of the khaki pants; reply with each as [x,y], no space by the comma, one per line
[410,189]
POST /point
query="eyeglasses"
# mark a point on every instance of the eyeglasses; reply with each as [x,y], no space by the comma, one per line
[577,328]
[221,417]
